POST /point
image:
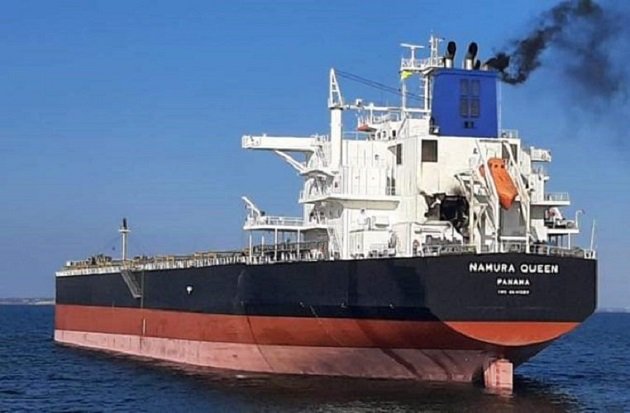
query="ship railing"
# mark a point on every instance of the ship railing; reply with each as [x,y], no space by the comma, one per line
[297,252]
[447,249]
[90,270]
[507,247]
[288,252]
[509,133]
[511,246]
[193,262]
[540,155]
[408,63]
[276,221]
[561,224]
[552,250]
[557,196]
[267,253]
[356,136]
[350,190]
[319,138]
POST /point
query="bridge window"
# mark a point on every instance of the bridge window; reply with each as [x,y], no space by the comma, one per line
[469,103]
[429,151]
[475,88]
[463,107]
[463,87]
[474,107]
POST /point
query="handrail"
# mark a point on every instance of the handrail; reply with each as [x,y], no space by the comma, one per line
[408,63]
[275,221]
[294,252]
[557,196]
[509,133]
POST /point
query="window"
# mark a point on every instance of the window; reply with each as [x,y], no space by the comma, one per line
[463,107]
[399,154]
[474,107]
[506,155]
[391,186]
[429,151]
[463,87]
[475,88]
[469,98]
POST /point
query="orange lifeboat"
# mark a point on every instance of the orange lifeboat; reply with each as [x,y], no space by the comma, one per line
[502,181]
[365,128]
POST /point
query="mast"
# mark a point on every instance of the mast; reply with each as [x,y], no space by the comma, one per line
[124,232]
[335,104]
[407,69]
[434,61]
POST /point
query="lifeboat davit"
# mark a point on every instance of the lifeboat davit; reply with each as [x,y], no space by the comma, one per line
[502,181]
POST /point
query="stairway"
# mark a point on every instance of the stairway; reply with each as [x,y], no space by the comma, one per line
[132,283]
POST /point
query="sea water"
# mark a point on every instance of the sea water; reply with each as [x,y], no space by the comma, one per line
[588,370]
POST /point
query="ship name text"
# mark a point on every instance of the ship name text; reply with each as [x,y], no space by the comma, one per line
[510,268]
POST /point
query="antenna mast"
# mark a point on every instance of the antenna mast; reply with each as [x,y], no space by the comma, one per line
[124,232]
[336,106]
[408,67]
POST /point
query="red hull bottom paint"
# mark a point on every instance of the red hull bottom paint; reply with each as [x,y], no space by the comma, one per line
[432,365]
[421,350]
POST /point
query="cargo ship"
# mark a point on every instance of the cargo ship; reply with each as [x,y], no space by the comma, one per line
[428,249]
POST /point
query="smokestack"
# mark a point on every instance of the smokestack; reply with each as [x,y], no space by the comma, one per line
[449,56]
[469,61]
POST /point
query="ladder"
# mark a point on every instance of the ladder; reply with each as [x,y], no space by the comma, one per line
[132,283]
[333,242]
[523,194]
[492,199]
[479,197]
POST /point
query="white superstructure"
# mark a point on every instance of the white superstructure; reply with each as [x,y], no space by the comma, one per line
[403,181]
[394,185]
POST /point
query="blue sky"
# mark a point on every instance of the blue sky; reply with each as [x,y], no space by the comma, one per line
[136,109]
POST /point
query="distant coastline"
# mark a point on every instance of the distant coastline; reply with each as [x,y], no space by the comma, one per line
[27,301]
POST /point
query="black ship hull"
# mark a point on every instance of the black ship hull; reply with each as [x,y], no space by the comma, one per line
[437,318]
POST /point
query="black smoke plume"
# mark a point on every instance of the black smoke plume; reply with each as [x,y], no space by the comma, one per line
[582,31]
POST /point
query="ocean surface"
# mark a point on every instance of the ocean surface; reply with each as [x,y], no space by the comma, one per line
[589,370]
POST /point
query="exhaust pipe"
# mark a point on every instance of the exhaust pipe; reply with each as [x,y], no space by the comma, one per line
[449,56]
[469,61]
